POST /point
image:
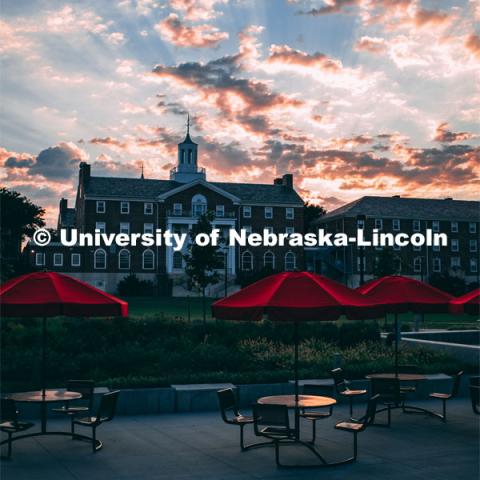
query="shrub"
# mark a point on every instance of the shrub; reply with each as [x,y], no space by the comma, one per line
[132,286]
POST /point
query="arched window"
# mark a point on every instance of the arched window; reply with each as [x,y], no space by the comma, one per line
[148,260]
[177,261]
[290,262]
[199,205]
[100,259]
[124,259]
[247,261]
[269,260]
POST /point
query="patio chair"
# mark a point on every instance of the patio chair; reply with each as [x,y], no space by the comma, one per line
[10,423]
[342,388]
[388,392]
[447,396]
[315,415]
[105,413]
[86,389]
[231,414]
[357,427]
[272,422]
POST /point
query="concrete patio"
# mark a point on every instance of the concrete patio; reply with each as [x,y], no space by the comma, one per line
[200,446]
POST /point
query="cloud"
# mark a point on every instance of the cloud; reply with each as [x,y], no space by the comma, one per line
[442,134]
[174,31]
[425,17]
[473,44]
[371,45]
[333,6]
[198,10]
[284,54]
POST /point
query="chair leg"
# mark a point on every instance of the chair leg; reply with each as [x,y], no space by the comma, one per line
[72,425]
[9,451]
[314,431]
[389,413]
[351,406]
[94,439]
[242,446]
[444,410]
[277,454]
[355,445]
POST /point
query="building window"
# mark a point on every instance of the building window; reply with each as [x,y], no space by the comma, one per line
[290,262]
[148,208]
[100,226]
[396,224]
[435,226]
[289,230]
[472,227]
[199,205]
[360,223]
[75,259]
[473,265]
[397,265]
[455,262]
[269,260]
[473,245]
[417,248]
[220,210]
[58,259]
[177,261]
[436,248]
[379,223]
[40,259]
[100,206]
[417,264]
[177,209]
[268,228]
[248,229]
[289,213]
[247,261]
[268,212]
[396,247]
[100,259]
[148,228]
[124,259]
[148,260]
[359,263]
[454,246]
[416,225]
[125,227]
[247,212]
[454,227]
[124,207]
[437,264]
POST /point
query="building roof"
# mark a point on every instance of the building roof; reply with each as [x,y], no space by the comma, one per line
[150,189]
[408,208]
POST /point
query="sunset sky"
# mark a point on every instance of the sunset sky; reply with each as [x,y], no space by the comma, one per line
[354,97]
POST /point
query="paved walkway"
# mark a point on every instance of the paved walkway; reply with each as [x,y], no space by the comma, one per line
[199,446]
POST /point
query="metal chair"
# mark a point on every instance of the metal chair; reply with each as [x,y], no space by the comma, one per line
[388,392]
[357,427]
[342,389]
[272,422]
[408,369]
[447,396]
[105,413]
[86,388]
[9,422]
[314,415]
[231,414]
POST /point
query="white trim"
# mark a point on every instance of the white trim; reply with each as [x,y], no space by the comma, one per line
[143,259]
[61,258]
[273,258]
[241,261]
[42,262]
[79,260]
[129,259]
[294,261]
[202,182]
[95,259]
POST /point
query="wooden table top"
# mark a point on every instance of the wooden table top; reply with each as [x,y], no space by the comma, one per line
[50,396]
[403,377]
[304,401]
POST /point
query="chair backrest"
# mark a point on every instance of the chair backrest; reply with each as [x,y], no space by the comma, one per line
[456,383]
[107,407]
[408,369]
[227,402]
[475,397]
[386,388]
[9,410]
[338,380]
[369,417]
[85,387]
[270,416]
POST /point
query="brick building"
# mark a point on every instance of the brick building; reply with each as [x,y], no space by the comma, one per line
[140,205]
[458,219]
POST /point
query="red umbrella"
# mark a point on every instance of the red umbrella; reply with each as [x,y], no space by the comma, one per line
[399,294]
[468,303]
[50,294]
[295,296]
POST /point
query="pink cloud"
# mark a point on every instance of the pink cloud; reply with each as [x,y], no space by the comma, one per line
[371,45]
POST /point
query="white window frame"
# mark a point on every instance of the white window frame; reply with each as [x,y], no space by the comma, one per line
[148,228]
[289,230]
[100,203]
[101,226]
[454,245]
[435,226]
[268,228]
[174,256]
[148,208]
[364,263]
[122,251]
[287,261]
[473,246]
[379,223]
[361,224]
[289,213]
[454,227]
[417,265]
[272,256]
[435,248]
[124,211]
[220,210]
[455,262]
[437,264]
[473,265]
[416,225]
[75,264]
[178,209]
[40,259]
[396,224]
[122,228]
[199,205]
[148,250]
[242,262]
[55,256]
[268,213]
[472,227]
[95,265]
[247,211]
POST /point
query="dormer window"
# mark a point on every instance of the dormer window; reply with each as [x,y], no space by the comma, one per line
[199,205]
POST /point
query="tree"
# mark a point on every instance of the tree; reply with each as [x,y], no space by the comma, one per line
[311,213]
[19,218]
[202,262]
[132,286]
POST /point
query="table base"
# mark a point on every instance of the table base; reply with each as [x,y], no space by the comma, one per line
[405,409]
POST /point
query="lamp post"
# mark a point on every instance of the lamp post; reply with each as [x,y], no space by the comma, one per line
[361,218]
[224,250]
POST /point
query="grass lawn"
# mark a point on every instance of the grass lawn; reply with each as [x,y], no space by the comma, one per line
[178,307]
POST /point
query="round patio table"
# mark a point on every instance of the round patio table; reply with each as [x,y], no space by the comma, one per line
[304,401]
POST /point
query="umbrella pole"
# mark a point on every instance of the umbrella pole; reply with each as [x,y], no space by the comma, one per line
[396,344]
[44,354]
[297,416]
